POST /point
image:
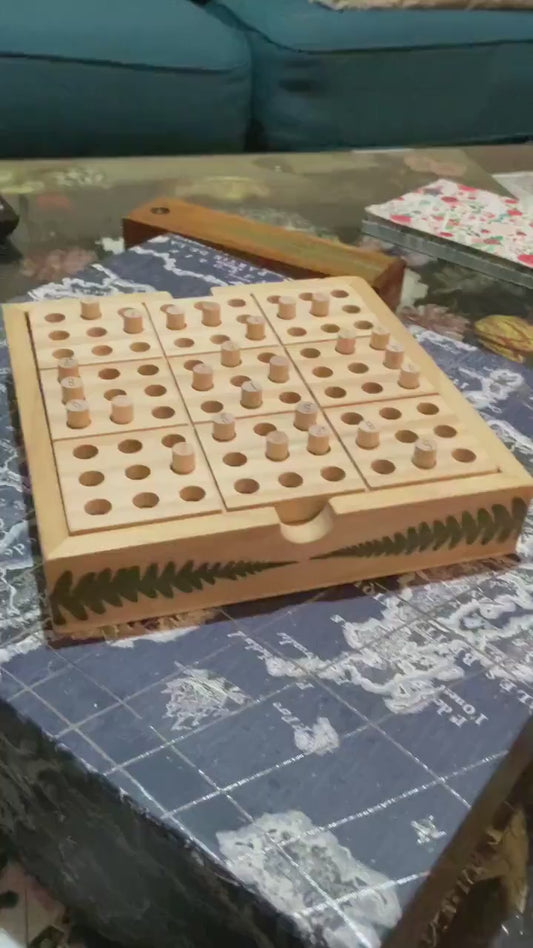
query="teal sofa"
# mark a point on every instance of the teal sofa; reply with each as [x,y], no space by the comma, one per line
[173,76]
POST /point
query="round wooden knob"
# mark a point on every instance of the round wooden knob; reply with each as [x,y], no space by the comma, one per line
[318,439]
[425,453]
[286,307]
[202,377]
[320,304]
[121,409]
[255,327]
[251,394]
[71,389]
[278,369]
[133,320]
[367,435]
[393,355]
[183,458]
[90,309]
[175,316]
[345,341]
[379,338]
[211,313]
[66,367]
[305,416]
[409,376]
[224,427]
[277,445]
[230,353]
[78,415]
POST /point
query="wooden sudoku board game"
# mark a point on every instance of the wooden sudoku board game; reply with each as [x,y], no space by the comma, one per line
[266,439]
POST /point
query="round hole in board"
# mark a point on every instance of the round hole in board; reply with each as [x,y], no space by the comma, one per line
[339,294]
[358,368]
[264,428]
[297,331]
[54,317]
[427,408]
[97,331]
[383,466]
[351,418]
[372,388]
[111,392]
[351,308]
[238,380]
[235,459]
[306,296]
[445,431]
[58,334]
[236,302]
[140,346]
[333,473]
[148,369]
[335,391]
[136,472]
[310,353]
[329,327]
[192,493]
[290,479]
[129,446]
[108,374]
[363,324]
[91,478]
[265,356]
[155,391]
[190,364]
[184,343]
[146,499]
[218,339]
[290,398]
[62,353]
[212,406]
[390,413]
[464,455]
[406,436]
[246,485]
[273,299]
[169,440]
[322,371]
[85,451]
[163,411]
[97,507]
[101,350]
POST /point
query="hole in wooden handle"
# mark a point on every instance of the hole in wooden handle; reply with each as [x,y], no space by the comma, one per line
[312,530]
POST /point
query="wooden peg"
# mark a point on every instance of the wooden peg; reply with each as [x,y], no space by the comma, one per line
[251,394]
[425,453]
[121,409]
[278,369]
[379,338]
[175,316]
[320,304]
[90,309]
[202,377]
[286,307]
[367,435]
[255,327]
[133,320]
[305,416]
[183,458]
[393,355]
[66,367]
[346,341]
[224,427]
[72,389]
[230,353]
[78,415]
[211,313]
[277,445]
[409,376]
[318,439]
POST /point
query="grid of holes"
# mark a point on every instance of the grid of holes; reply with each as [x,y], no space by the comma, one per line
[217,338]
[406,435]
[152,390]
[326,326]
[357,368]
[100,350]
[92,477]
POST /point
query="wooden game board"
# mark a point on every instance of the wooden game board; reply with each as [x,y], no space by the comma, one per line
[263,440]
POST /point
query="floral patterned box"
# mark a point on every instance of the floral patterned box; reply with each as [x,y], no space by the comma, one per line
[475,228]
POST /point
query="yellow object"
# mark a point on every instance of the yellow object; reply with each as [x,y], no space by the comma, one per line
[510,336]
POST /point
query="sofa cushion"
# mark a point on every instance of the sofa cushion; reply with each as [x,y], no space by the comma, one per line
[324,78]
[120,76]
